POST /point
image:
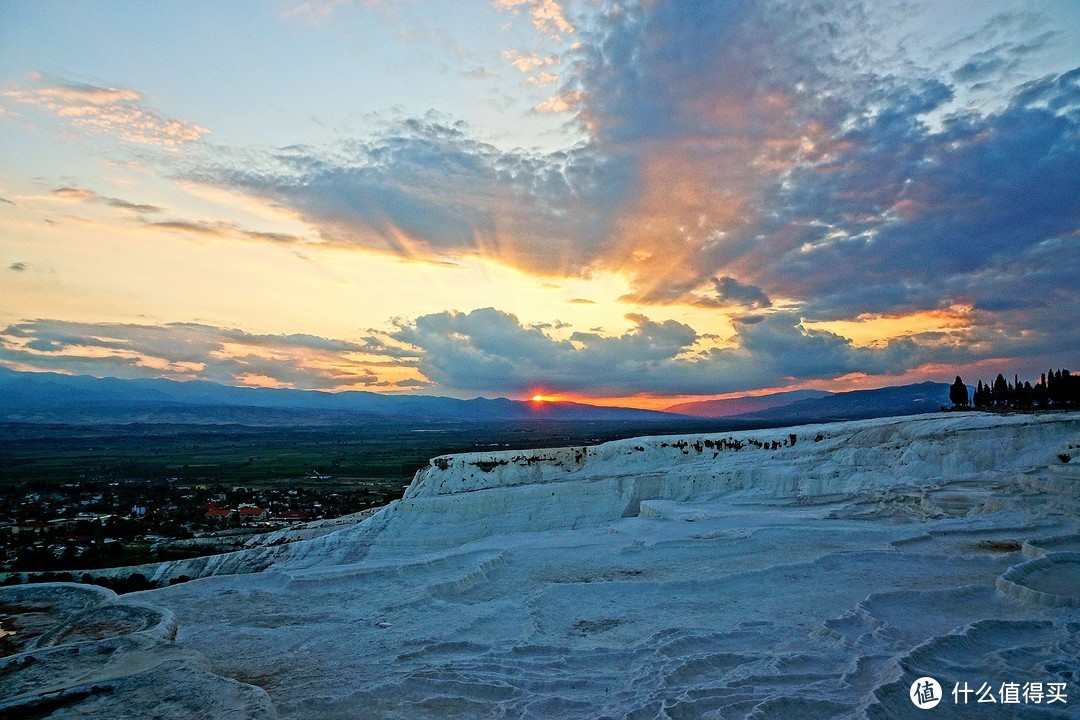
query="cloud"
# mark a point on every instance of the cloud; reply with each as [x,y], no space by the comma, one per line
[191,351]
[120,112]
[563,102]
[1000,61]
[480,73]
[76,194]
[411,383]
[730,291]
[737,155]
[528,62]
[543,79]
[427,189]
[1001,46]
[925,219]
[222,230]
[764,151]
[547,16]
[487,350]
[18,267]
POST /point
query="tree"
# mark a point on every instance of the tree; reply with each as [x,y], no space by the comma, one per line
[981,399]
[1056,388]
[1025,394]
[1040,396]
[958,393]
[1000,391]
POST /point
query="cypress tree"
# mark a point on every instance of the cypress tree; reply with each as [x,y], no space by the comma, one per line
[958,393]
[1000,392]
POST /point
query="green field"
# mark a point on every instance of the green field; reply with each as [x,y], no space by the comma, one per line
[383,453]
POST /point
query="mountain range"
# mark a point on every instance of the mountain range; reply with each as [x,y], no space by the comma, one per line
[51,397]
[913,399]
[744,405]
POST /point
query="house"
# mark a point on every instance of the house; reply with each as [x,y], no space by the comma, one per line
[218,513]
[250,512]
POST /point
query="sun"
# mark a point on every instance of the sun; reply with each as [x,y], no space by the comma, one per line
[538,398]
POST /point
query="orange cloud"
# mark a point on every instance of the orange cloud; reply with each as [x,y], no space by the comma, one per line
[194,351]
[559,103]
[547,16]
[870,329]
[543,79]
[114,111]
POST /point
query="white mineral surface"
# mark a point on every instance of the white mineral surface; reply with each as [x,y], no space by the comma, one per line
[808,572]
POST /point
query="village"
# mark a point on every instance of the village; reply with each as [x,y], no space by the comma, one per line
[110,523]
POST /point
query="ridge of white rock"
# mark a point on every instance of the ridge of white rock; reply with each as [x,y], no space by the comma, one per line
[465,497]
[810,572]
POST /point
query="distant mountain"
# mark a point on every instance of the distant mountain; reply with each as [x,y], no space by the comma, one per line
[51,397]
[745,404]
[858,405]
[54,398]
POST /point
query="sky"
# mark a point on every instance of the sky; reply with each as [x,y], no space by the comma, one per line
[634,203]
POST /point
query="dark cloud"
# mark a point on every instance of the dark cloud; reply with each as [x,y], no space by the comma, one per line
[380,346]
[427,188]
[189,351]
[487,350]
[18,266]
[724,138]
[907,219]
[735,154]
[730,291]
[416,384]
[847,198]
[1000,62]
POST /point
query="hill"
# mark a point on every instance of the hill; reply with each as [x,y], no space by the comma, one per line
[858,405]
[745,404]
[79,399]
[51,397]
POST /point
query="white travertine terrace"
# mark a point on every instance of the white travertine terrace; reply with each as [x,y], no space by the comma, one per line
[809,572]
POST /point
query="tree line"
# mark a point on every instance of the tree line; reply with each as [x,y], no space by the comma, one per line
[1054,389]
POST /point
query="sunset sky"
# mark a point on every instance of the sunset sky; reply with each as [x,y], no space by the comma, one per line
[636,202]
